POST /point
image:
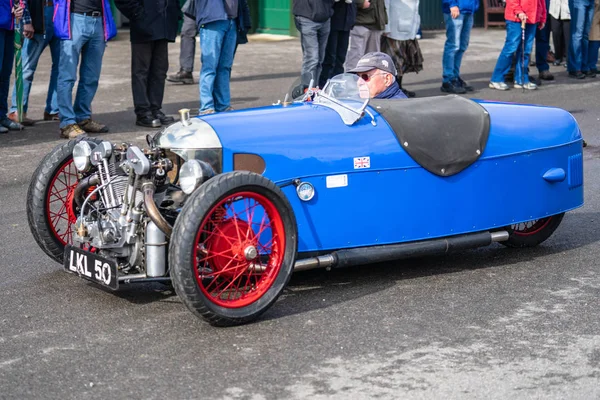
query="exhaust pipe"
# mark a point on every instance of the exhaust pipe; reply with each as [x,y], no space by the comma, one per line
[376,254]
[82,188]
[152,210]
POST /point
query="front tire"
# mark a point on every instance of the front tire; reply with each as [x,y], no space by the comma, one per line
[233,248]
[532,233]
[50,209]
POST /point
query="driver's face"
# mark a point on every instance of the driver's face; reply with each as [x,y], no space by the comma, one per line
[375,80]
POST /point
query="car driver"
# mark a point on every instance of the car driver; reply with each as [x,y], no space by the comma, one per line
[378,72]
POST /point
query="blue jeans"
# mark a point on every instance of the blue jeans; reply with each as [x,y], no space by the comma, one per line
[7,53]
[30,55]
[313,38]
[87,42]
[542,44]
[592,56]
[458,33]
[512,47]
[217,44]
[582,12]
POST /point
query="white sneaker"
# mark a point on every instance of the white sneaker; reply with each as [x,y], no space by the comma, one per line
[498,86]
[528,86]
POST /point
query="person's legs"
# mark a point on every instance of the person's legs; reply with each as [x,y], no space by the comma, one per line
[309,38]
[330,57]
[30,55]
[222,94]
[592,59]
[521,75]
[566,32]
[89,72]
[358,43]
[70,51]
[542,46]
[6,66]
[54,43]
[578,12]
[189,30]
[211,42]
[373,41]
[587,24]
[556,30]
[511,43]
[465,36]
[141,56]
[453,31]
[342,49]
[322,36]
[158,73]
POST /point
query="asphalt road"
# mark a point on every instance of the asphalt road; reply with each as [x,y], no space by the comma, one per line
[491,323]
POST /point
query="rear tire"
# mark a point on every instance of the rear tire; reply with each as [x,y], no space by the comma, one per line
[50,208]
[233,248]
[532,233]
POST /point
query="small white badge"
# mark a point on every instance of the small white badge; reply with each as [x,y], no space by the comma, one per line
[335,181]
[362,162]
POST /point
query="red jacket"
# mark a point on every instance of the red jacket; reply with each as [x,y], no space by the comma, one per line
[534,9]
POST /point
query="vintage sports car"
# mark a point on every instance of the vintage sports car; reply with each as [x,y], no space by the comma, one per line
[227,206]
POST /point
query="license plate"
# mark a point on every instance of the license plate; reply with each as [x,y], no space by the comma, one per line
[91,267]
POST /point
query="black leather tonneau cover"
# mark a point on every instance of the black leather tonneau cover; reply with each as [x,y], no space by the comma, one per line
[443,134]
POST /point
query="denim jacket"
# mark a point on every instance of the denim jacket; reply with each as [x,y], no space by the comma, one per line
[62,20]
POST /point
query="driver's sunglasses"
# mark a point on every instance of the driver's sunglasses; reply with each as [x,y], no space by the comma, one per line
[367,77]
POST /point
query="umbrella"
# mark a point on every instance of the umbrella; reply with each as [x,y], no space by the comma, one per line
[19,65]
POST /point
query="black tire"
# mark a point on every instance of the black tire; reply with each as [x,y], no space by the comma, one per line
[532,233]
[38,212]
[206,208]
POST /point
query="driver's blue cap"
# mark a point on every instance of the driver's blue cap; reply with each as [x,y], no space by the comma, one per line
[374,60]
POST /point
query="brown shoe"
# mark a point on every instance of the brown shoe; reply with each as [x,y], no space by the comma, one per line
[14,116]
[71,131]
[51,117]
[91,126]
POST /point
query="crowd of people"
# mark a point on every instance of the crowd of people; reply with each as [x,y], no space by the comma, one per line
[335,35]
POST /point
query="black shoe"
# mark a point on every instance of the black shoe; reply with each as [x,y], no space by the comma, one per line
[164,119]
[590,73]
[576,75]
[148,121]
[465,85]
[182,76]
[546,75]
[408,93]
[537,81]
[451,87]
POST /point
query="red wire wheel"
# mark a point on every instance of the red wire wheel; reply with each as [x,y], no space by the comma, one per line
[50,205]
[233,248]
[532,233]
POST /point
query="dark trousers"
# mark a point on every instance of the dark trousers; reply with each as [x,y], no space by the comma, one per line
[7,47]
[149,65]
[542,44]
[335,55]
[561,31]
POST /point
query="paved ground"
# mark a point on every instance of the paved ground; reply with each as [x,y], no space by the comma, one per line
[491,323]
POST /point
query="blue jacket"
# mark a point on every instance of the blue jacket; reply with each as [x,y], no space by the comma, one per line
[464,6]
[392,92]
[62,20]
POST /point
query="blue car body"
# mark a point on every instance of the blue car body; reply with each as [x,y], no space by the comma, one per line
[531,168]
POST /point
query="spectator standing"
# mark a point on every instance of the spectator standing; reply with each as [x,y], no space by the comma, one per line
[153,26]
[582,12]
[400,38]
[312,19]
[187,52]
[560,25]
[591,69]
[365,37]
[344,16]
[83,27]
[542,47]
[458,17]
[8,12]
[532,12]
[218,23]
[41,36]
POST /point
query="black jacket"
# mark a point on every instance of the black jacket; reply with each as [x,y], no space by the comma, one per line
[244,23]
[36,9]
[315,10]
[344,16]
[151,19]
